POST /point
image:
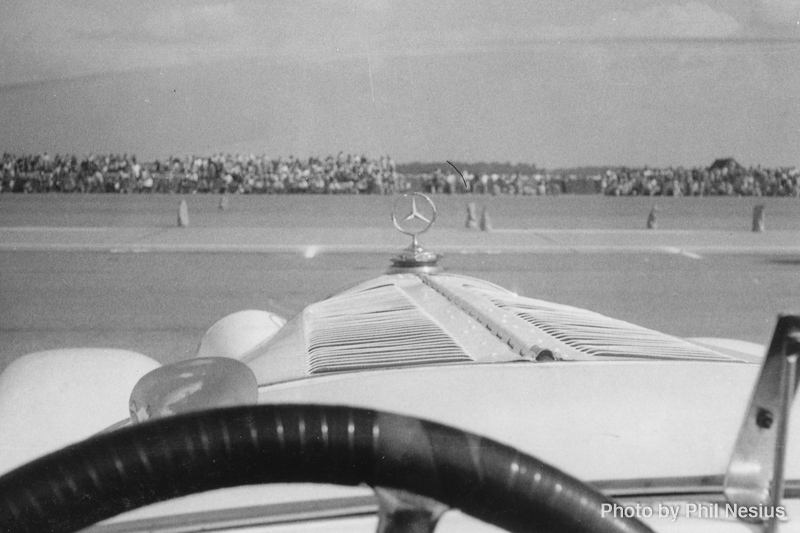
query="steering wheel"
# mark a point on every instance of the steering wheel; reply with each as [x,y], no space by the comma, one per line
[110,473]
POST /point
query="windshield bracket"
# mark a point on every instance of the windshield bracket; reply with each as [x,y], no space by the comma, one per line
[755,476]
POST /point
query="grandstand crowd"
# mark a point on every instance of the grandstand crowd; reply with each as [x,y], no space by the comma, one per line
[218,173]
[355,174]
[724,178]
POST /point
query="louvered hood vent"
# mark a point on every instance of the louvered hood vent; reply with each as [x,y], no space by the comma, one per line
[372,328]
[597,335]
[407,320]
[582,332]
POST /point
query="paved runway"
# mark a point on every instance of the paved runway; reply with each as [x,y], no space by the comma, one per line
[312,241]
[156,288]
[364,211]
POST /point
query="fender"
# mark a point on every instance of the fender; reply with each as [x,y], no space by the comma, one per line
[235,335]
[53,398]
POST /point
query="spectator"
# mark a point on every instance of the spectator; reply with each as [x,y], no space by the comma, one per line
[355,174]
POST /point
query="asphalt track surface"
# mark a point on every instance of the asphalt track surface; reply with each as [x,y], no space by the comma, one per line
[115,271]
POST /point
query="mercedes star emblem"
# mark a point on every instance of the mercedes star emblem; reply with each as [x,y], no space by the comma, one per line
[414,217]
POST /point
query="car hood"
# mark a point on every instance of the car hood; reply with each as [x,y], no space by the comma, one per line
[417,319]
[613,421]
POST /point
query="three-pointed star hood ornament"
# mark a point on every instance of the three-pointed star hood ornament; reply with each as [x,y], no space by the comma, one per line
[413,214]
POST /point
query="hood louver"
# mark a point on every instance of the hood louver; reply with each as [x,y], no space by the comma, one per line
[596,335]
[375,328]
[411,320]
[572,332]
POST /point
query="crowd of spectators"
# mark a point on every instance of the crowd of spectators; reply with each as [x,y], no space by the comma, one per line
[487,183]
[219,173]
[729,179]
[355,174]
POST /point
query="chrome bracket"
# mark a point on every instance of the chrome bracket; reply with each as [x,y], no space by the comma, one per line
[403,512]
[755,473]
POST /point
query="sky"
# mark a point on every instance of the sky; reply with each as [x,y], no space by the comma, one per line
[557,83]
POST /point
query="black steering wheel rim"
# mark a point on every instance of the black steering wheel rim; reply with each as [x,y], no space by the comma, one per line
[111,473]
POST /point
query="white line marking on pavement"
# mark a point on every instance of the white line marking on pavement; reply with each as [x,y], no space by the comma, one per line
[317,249]
[609,231]
[691,255]
[678,251]
[49,229]
[577,231]
[130,250]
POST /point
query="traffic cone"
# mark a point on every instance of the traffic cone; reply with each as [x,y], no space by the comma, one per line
[223,202]
[758,218]
[652,223]
[472,216]
[183,215]
[486,222]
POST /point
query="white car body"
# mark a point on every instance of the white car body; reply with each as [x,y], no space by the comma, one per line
[646,418]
